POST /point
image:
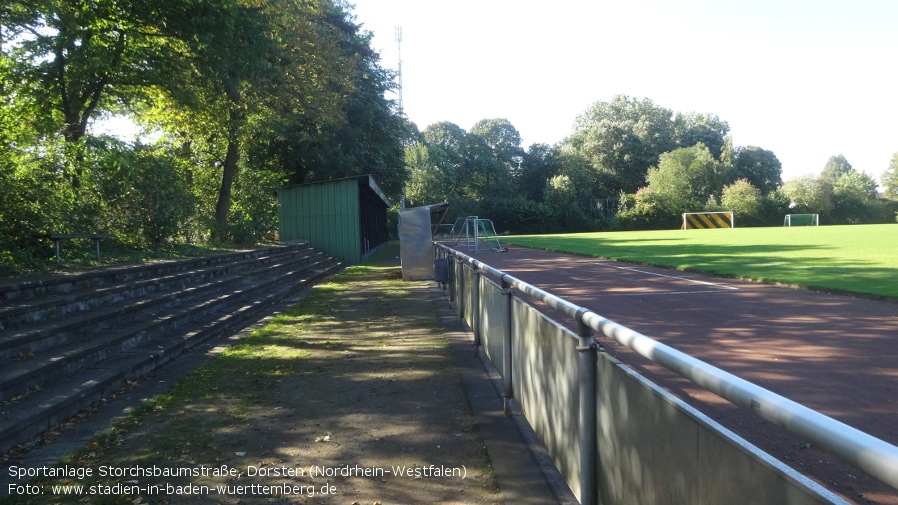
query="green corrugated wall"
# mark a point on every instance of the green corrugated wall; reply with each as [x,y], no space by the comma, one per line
[325,214]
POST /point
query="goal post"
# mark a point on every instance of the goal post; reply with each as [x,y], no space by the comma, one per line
[802,220]
[706,220]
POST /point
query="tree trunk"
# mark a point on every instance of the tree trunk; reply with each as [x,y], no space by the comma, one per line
[223,208]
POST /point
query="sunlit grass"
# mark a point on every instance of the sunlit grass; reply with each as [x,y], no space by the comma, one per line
[861,259]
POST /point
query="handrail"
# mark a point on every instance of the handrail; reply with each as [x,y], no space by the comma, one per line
[866,452]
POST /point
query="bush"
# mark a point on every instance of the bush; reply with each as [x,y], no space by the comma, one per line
[645,210]
[744,200]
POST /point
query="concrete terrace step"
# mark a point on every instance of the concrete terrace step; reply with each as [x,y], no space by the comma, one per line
[98,335]
[23,341]
[106,345]
[24,289]
[84,293]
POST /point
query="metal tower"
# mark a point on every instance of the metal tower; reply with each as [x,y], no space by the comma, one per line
[399,50]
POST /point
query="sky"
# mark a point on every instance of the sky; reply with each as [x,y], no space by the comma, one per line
[806,79]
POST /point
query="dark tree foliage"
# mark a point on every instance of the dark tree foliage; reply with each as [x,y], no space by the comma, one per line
[240,96]
[760,167]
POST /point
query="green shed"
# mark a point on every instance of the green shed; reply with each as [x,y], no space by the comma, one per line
[347,218]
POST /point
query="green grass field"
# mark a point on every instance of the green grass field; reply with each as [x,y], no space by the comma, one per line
[859,259]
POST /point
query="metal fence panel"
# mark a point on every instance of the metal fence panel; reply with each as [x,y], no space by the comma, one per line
[546,385]
[656,449]
[492,323]
[652,447]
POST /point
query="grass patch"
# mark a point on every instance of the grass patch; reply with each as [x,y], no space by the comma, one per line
[858,259]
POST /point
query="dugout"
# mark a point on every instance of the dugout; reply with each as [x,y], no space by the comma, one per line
[347,218]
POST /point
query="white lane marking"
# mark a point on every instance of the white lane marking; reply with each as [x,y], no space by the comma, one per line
[704,291]
[656,274]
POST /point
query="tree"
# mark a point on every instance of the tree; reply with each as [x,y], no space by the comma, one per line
[854,198]
[311,132]
[744,199]
[83,59]
[438,167]
[836,167]
[693,128]
[581,177]
[623,138]
[503,140]
[231,50]
[686,178]
[561,191]
[74,53]
[759,167]
[465,165]
[809,194]
[538,166]
[889,179]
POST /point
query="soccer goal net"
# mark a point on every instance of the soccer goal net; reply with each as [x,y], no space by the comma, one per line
[802,220]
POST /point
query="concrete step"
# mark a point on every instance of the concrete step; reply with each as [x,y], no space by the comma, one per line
[33,306]
[56,284]
[22,342]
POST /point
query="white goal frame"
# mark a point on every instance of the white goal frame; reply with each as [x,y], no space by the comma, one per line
[815,220]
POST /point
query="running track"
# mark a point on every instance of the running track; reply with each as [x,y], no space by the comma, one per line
[835,354]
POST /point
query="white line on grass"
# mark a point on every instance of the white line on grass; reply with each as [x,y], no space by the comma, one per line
[656,274]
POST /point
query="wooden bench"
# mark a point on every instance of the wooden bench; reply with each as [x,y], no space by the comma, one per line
[59,237]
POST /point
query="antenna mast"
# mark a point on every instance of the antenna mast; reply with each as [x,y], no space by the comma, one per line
[399,50]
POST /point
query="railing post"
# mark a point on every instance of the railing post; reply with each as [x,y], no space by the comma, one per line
[588,421]
[508,386]
[451,284]
[475,306]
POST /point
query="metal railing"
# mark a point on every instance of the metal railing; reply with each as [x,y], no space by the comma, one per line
[870,454]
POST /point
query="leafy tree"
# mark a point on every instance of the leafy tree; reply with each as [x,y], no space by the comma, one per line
[504,142]
[470,165]
[82,57]
[645,210]
[890,179]
[488,177]
[854,198]
[561,191]
[517,214]
[809,194]
[623,138]
[424,182]
[582,179]
[745,200]
[437,167]
[686,178]
[693,128]
[759,167]
[231,51]
[836,167]
[537,167]
[310,132]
